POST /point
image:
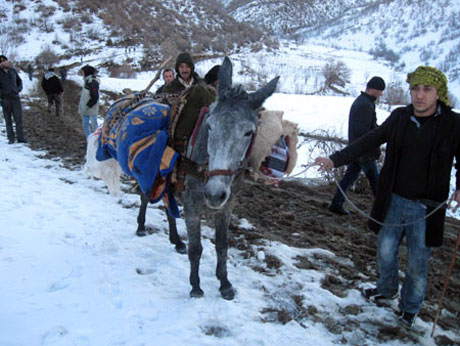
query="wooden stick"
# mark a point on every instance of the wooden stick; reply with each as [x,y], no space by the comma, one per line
[446,282]
[157,76]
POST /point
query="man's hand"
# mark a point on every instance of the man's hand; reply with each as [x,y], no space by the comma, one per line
[455,198]
[324,163]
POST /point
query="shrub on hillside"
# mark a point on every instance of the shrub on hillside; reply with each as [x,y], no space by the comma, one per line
[121,71]
[336,73]
[70,22]
[395,94]
[46,58]
[381,51]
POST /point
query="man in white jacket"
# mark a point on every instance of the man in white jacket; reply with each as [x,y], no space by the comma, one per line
[89,100]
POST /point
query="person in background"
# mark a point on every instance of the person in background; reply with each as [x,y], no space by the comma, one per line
[88,107]
[361,120]
[63,73]
[198,97]
[53,89]
[168,76]
[30,71]
[422,142]
[211,78]
[10,87]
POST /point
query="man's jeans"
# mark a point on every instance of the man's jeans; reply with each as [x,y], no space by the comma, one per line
[86,119]
[403,211]
[351,174]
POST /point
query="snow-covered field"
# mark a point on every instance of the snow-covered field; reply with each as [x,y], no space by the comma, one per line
[69,261]
[69,256]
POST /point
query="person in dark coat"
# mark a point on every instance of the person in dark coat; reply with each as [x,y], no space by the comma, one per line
[63,73]
[422,142]
[10,87]
[361,120]
[30,71]
[53,89]
[168,76]
[211,79]
[198,97]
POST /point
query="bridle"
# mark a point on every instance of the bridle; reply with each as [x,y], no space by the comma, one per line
[201,171]
[243,165]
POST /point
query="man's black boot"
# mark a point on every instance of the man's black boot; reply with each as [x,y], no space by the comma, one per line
[338,209]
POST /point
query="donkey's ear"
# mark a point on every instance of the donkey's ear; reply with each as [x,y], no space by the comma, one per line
[257,99]
[225,77]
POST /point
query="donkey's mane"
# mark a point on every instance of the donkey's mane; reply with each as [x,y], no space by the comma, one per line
[235,92]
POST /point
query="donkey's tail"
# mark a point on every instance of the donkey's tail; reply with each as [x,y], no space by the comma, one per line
[109,170]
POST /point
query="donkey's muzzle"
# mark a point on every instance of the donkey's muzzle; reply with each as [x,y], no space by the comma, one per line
[216,193]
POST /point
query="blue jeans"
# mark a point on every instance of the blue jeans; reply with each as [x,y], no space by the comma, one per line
[351,174]
[401,211]
[86,119]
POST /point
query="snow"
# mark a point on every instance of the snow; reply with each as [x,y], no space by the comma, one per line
[70,261]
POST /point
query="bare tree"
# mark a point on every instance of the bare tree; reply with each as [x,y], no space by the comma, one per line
[336,74]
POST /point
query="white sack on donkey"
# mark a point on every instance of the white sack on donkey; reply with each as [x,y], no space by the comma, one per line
[271,128]
[109,170]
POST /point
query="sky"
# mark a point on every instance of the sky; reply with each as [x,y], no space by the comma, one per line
[70,259]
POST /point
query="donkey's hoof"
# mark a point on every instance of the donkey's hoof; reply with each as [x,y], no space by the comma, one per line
[196,293]
[181,248]
[227,293]
[141,232]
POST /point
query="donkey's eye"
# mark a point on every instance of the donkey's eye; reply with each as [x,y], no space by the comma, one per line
[249,133]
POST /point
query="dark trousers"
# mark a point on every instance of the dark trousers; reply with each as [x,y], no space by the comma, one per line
[351,174]
[12,110]
[56,100]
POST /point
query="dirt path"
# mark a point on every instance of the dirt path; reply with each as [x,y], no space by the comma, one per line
[294,214]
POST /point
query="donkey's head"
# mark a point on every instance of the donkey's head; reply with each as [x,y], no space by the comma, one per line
[231,125]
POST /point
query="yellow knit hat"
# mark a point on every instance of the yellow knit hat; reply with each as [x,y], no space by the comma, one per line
[430,76]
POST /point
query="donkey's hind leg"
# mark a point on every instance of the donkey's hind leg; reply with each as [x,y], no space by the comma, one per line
[141,216]
[174,236]
[222,219]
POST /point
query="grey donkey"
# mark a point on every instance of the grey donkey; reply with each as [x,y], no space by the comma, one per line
[223,144]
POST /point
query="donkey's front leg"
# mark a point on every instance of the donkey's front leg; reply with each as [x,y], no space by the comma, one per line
[193,204]
[222,219]
[141,216]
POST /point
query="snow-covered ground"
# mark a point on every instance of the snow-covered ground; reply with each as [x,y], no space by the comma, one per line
[69,261]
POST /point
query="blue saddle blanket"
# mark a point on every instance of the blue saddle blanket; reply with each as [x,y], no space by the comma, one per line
[136,135]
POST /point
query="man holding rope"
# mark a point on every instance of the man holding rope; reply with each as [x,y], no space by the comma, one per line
[422,141]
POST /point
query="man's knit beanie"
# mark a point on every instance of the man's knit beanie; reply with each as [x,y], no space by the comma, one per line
[212,75]
[376,83]
[184,58]
[88,70]
[430,76]
[3,58]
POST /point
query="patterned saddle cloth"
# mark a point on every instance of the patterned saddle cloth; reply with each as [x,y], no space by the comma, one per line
[135,133]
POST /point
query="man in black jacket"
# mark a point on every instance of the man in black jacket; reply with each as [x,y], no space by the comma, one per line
[362,119]
[53,89]
[10,87]
[422,142]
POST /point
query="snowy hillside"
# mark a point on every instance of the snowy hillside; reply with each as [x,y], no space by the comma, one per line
[401,32]
[286,17]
